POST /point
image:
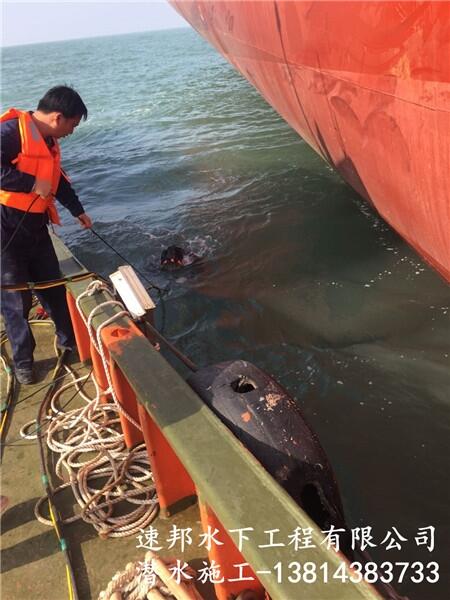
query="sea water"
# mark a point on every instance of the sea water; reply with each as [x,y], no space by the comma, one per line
[299,275]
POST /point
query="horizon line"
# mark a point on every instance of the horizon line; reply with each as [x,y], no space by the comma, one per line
[90,37]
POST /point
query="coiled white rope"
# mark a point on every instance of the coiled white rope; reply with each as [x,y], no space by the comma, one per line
[92,451]
[93,287]
[134,583]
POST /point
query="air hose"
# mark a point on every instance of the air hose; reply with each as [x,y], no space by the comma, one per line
[73,594]
[153,333]
[44,285]
[71,582]
[6,405]
[151,284]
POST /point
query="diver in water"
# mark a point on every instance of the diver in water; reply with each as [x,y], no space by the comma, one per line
[175,257]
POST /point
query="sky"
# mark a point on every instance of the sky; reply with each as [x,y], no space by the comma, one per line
[33,21]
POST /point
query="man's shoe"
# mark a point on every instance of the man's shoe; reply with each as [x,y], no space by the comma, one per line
[24,376]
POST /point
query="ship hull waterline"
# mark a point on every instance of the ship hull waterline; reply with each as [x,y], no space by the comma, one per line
[366,85]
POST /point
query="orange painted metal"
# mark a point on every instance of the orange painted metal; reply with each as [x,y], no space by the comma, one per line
[86,348]
[173,483]
[79,328]
[366,84]
[127,400]
[227,558]
[113,337]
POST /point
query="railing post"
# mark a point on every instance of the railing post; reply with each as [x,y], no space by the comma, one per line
[80,330]
[227,556]
[112,337]
[174,486]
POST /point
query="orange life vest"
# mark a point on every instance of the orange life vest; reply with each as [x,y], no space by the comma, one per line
[35,158]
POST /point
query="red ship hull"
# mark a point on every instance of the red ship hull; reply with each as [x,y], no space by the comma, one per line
[366,84]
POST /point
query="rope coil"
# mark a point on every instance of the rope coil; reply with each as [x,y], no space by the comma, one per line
[134,584]
[93,458]
[93,287]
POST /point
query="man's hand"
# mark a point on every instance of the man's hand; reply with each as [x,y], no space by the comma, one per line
[85,220]
[42,187]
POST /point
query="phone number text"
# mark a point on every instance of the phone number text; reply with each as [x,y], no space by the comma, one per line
[370,572]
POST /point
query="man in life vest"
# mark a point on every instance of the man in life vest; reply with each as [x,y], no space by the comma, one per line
[31,178]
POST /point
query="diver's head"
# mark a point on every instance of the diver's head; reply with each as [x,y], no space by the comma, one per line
[172,257]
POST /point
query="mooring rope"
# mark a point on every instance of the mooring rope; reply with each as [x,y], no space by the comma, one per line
[133,583]
[96,286]
[92,449]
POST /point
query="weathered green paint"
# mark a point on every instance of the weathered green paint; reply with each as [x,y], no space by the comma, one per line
[229,479]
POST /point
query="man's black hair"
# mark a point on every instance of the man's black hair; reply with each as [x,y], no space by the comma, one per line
[65,100]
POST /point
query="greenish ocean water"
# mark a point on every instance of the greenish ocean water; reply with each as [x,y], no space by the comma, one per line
[299,275]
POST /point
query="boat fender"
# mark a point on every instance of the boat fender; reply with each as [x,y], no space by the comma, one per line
[261,414]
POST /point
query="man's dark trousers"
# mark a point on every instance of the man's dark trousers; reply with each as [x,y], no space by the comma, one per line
[31,257]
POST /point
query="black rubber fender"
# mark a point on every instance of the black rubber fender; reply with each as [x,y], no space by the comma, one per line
[262,415]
